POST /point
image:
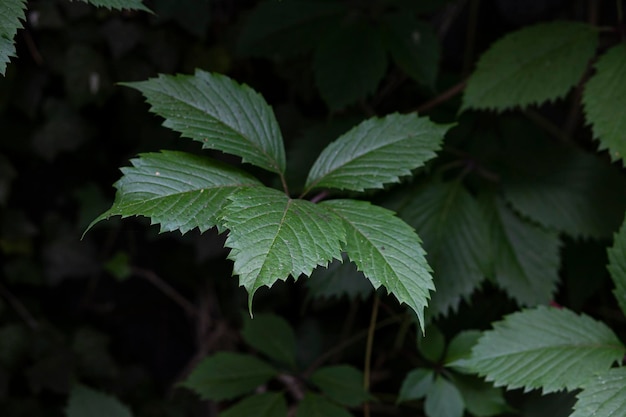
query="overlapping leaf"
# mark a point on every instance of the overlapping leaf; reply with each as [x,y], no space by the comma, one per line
[604,96]
[375,152]
[177,190]
[84,401]
[271,335]
[481,398]
[219,113]
[545,348]
[416,384]
[267,404]
[273,237]
[341,383]
[119,4]
[314,405]
[617,266]
[604,395]
[535,64]
[443,399]
[386,250]
[340,278]
[11,12]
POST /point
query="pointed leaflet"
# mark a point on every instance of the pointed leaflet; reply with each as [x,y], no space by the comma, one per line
[386,250]
[219,113]
[377,151]
[535,64]
[603,100]
[481,398]
[416,384]
[604,395]
[176,190]
[273,236]
[617,266]
[267,404]
[341,383]
[314,405]
[272,336]
[11,12]
[443,399]
[84,402]
[545,348]
[227,375]
[119,4]
[454,230]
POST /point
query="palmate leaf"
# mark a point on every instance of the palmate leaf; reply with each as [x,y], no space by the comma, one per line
[535,64]
[85,402]
[386,250]
[219,113]
[177,190]
[547,348]
[375,152]
[11,12]
[617,266]
[267,404]
[604,97]
[272,237]
[119,4]
[604,395]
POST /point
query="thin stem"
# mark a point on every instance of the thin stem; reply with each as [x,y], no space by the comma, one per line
[284,183]
[546,125]
[319,197]
[442,98]
[17,305]
[166,289]
[368,353]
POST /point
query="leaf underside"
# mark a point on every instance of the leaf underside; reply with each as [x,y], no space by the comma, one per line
[11,15]
[604,395]
[267,404]
[617,266]
[84,401]
[119,4]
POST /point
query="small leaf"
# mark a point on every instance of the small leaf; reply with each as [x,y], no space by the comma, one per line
[604,96]
[267,404]
[339,279]
[273,236]
[272,336]
[177,190]
[314,405]
[431,344]
[341,383]
[460,347]
[530,66]
[386,250]
[219,113]
[416,384]
[545,348]
[85,402]
[11,12]
[377,151]
[481,399]
[119,4]
[227,375]
[617,266]
[603,395]
[443,400]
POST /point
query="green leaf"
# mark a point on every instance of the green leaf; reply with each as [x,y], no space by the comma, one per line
[530,66]
[340,278]
[416,384]
[267,404]
[443,400]
[524,257]
[460,347]
[227,375]
[11,12]
[119,4]
[617,266]
[341,383]
[85,402]
[219,113]
[177,190]
[349,62]
[272,336]
[377,151]
[386,250]
[314,405]
[604,395]
[547,348]
[273,236]
[603,97]
[481,399]
[431,344]
[119,266]
[455,233]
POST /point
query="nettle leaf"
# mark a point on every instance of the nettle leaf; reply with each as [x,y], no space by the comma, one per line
[455,233]
[604,395]
[119,4]
[349,62]
[227,375]
[341,383]
[340,278]
[547,348]
[314,405]
[177,190]
[443,399]
[85,401]
[267,404]
[386,250]
[272,336]
[220,113]
[617,266]
[604,96]
[11,13]
[273,236]
[416,384]
[530,66]
[377,151]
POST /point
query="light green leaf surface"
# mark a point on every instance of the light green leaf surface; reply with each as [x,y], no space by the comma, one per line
[314,405]
[227,375]
[177,190]
[267,404]
[272,336]
[377,151]
[273,237]
[604,395]
[349,62]
[416,384]
[341,383]
[530,66]
[546,348]
[455,234]
[118,4]
[443,400]
[386,250]
[617,266]
[85,402]
[604,97]
[339,279]
[219,113]
[11,13]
